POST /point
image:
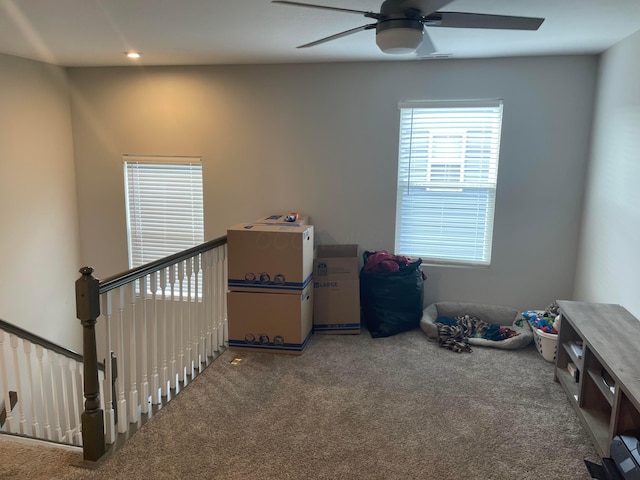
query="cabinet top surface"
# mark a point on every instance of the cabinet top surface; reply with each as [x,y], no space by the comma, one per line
[612,334]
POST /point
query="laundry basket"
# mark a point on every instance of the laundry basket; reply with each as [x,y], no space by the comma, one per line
[546,343]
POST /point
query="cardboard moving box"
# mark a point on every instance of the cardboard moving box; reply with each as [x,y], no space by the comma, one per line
[270,258]
[336,303]
[270,323]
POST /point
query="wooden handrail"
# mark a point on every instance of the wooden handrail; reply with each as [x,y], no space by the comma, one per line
[35,339]
[123,278]
[43,342]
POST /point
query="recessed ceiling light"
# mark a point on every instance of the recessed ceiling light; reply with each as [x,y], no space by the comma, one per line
[133,55]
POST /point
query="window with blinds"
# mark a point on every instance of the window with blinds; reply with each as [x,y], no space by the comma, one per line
[164,206]
[447,174]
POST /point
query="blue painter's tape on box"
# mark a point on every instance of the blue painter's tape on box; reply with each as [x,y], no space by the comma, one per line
[263,285]
[272,346]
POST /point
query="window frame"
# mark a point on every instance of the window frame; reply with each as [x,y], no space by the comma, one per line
[427,197]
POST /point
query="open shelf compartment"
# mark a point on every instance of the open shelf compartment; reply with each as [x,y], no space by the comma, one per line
[628,417]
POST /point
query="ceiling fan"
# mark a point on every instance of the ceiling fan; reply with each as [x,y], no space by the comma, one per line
[400,25]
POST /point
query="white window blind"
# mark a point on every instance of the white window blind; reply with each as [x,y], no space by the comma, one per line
[447,174]
[164,206]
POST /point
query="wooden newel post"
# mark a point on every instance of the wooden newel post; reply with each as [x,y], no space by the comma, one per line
[88,311]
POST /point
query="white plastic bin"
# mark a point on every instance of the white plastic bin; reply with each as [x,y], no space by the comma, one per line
[546,343]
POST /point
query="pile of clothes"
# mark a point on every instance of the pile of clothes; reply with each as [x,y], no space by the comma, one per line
[453,333]
[385,262]
[546,321]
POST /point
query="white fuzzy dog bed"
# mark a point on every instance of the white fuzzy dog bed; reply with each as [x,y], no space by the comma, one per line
[493,314]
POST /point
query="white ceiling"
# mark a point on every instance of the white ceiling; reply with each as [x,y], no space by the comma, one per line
[198,32]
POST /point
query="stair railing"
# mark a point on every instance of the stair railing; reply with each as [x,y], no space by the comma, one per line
[159,326]
[41,387]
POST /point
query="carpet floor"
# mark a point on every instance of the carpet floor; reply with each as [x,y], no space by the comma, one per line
[350,407]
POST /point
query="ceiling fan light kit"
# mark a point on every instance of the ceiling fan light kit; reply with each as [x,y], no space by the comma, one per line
[399,36]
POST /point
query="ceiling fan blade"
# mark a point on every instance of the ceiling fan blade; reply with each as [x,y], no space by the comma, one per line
[480,20]
[427,47]
[338,35]
[324,7]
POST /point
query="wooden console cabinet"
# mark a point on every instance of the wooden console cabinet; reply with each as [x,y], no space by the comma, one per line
[606,392]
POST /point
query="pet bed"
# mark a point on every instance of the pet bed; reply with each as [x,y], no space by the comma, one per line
[493,314]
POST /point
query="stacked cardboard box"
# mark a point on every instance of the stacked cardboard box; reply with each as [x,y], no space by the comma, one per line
[270,297]
[336,307]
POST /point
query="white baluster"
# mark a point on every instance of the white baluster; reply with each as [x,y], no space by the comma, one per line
[164,368]
[225,338]
[78,434]
[68,434]
[155,378]
[134,404]
[189,352]
[198,331]
[5,383]
[122,400]
[200,302]
[74,367]
[144,385]
[223,297]
[100,389]
[101,380]
[109,412]
[181,360]
[215,301]
[35,426]
[22,424]
[173,372]
[53,362]
[213,286]
[207,300]
[220,295]
[48,435]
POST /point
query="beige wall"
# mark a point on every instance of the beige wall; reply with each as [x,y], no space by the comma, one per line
[322,139]
[39,245]
[319,139]
[609,256]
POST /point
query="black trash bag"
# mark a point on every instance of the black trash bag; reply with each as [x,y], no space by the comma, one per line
[391,302]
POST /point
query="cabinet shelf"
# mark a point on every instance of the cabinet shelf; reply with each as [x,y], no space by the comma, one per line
[607,394]
[569,384]
[600,383]
[572,355]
